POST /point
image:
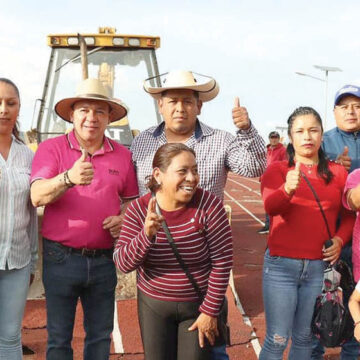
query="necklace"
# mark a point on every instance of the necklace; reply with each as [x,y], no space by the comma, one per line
[309,167]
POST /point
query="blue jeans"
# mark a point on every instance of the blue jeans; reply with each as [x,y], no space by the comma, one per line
[14,285]
[219,353]
[351,349]
[67,278]
[290,288]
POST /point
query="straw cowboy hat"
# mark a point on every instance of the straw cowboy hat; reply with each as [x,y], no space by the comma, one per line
[91,89]
[207,89]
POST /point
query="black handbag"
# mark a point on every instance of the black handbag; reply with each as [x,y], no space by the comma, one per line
[222,325]
[331,322]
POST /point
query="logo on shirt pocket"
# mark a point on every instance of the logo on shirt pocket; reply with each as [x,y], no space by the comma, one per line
[24,171]
[114,172]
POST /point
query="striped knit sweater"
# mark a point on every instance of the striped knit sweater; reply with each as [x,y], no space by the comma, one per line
[203,237]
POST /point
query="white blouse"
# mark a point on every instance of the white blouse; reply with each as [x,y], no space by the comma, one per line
[18,218]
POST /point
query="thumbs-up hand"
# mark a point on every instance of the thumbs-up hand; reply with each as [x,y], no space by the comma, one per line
[240,116]
[293,179]
[344,159]
[82,171]
[152,220]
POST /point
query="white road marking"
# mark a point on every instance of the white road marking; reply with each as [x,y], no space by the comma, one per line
[116,335]
[244,208]
[254,342]
[251,180]
[245,187]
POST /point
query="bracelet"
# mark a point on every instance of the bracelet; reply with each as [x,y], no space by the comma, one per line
[356,323]
[67,181]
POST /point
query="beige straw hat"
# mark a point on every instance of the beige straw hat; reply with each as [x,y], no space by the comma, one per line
[91,89]
[206,86]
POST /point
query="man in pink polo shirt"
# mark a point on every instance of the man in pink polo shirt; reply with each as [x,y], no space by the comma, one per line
[83,179]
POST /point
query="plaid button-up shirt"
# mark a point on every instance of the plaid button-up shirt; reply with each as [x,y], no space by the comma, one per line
[217,152]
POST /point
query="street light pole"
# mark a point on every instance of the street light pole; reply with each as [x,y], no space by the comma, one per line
[326,69]
[310,76]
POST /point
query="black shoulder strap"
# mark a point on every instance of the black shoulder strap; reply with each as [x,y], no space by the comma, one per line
[178,256]
[318,202]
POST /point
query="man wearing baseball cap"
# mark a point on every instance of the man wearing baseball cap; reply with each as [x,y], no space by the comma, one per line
[83,178]
[180,99]
[342,144]
[276,151]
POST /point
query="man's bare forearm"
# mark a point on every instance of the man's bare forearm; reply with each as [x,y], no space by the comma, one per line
[46,191]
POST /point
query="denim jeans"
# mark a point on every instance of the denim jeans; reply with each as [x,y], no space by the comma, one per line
[219,353]
[67,278]
[351,349]
[14,285]
[290,288]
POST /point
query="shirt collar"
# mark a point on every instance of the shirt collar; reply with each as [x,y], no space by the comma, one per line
[74,144]
[200,130]
[347,133]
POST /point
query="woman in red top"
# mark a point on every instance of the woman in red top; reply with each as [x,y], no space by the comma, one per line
[294,260]
[174,322]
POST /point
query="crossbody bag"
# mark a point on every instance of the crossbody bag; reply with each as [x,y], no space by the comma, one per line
[319,204]
[331,322]
[223,327]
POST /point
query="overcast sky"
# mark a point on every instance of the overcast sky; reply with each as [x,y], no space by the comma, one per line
[252,48]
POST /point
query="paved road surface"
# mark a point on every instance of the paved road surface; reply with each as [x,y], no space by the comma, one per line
[246,314]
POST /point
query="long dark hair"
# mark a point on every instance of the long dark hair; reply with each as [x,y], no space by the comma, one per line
[323,170]
[15,130]
[162,160]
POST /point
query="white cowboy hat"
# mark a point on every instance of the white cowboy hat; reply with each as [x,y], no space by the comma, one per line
[183,80]
[91,89]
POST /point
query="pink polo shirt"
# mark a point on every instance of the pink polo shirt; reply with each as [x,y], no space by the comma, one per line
[76,218]
[352,181]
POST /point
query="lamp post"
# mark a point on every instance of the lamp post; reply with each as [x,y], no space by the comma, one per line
[326,69]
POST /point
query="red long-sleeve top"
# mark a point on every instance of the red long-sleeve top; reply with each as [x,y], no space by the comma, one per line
[202,234]
[297,227]
[277,153]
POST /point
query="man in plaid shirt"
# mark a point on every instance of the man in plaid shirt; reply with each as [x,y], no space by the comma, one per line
[180,100]
[217,151]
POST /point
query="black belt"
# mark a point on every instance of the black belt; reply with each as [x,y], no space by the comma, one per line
[90,252]
[86,252]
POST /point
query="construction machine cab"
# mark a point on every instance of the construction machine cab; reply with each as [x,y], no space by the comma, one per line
[121,62]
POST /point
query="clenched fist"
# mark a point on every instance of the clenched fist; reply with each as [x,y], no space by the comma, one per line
[82,171]
[293,179]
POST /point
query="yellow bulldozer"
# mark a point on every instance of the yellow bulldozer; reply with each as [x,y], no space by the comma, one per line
[120,61]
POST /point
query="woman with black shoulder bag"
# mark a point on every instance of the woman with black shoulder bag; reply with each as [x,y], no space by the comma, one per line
[179,239]
[296,256]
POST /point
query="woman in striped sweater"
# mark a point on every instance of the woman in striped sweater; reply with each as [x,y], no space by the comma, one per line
[174,322]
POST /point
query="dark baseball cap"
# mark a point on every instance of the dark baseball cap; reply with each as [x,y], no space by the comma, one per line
[274,134]
[346,90]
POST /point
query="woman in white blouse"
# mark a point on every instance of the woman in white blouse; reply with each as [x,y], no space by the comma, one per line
[18,224]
